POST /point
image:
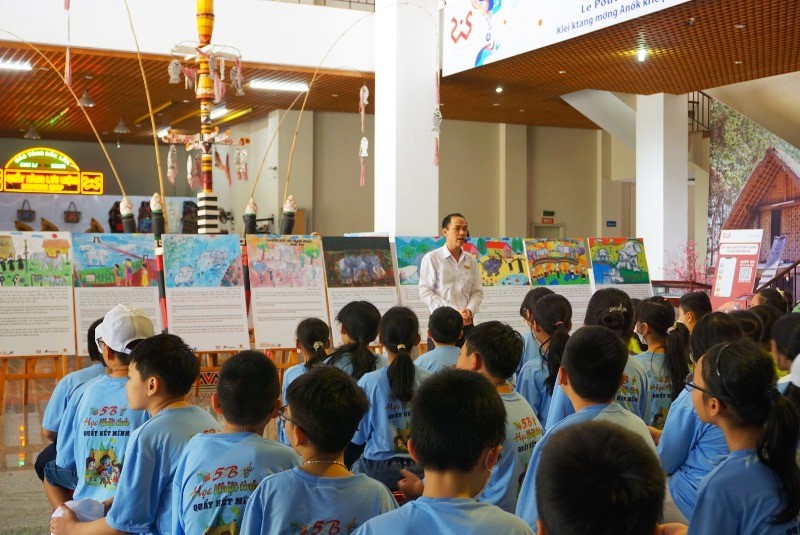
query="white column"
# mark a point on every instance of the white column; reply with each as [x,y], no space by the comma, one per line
[661,179]
[513,178]
[406,179]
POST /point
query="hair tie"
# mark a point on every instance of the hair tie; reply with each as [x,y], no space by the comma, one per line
[772,394]
[401,346]
[559,324]
[618,308]
[671,329]
[318,345]
[794,373]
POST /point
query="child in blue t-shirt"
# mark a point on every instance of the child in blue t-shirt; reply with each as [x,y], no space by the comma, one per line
[323,409]
[550,321]
[591,372]
[98,421]
[531,349]
[359,321]
[492,349]
[456,435]
[597,477]
[163,370]
[312,337]
[217,473]
[384,429]
[68,386]
[445,329]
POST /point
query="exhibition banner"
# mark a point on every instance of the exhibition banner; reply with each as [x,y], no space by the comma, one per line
[409,251]
[620,263]
[36,294]
[735,273]
[478,32]
[205,291]
[287,285]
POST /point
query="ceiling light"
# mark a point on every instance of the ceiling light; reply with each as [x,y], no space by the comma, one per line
[562,71]
[163,131]
[297,87]
[58,116]
[641,54]
[121,127]
[216,113]
[233,116]
[740,26]
[86,101]
[521,110]
[15,65]
[498,89]
[738,62]
[32,133]
[496,104]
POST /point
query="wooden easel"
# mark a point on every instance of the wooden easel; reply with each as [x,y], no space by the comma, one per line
[29,373]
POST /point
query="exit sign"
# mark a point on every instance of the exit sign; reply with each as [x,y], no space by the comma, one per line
[548,213]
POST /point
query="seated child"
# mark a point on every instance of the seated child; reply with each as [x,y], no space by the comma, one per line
[324,407]
[531,348]
[384,429]
[458,427]
[217,473]
[163,370]
[591,373]
[444,328]
[312,338]
[67,387]
[596,477]
[492,349]
[98,421]
[358,321]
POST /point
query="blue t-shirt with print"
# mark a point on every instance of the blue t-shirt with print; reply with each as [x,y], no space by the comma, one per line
[103,425]
[64,390]
[387,423]
[217,474]
[295,501]
[289,375]
[659,386]
[143,503]
[530,384]
[439,358]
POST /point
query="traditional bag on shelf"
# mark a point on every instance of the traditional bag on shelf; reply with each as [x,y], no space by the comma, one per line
[25,214]
[71,214]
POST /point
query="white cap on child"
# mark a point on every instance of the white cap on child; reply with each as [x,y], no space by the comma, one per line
[794,373]
[121,326]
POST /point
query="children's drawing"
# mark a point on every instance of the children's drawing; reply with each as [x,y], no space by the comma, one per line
[557,262]
[410,251]
[113,260]
[619,261]
[35,259]
[285,261]
[358,262]
[501,260]
[202,261]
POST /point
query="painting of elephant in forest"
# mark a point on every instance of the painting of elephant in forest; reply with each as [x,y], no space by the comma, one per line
[360,268]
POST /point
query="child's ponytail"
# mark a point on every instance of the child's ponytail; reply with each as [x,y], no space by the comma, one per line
[313,334]
[360,320]
[777,448]
[553,314]
[399,332]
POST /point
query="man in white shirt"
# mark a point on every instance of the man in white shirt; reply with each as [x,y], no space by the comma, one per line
[450,277]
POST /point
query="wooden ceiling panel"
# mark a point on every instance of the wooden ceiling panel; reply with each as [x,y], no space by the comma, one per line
[697,45]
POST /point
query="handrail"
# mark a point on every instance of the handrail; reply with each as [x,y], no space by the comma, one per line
[778,276]
[699,111]
[691,285]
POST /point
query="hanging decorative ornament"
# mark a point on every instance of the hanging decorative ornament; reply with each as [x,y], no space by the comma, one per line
[172,164]
[240,163]
[174,71]
[363,100]
[363,152]
[193,165]
[226,167]
[237,79]
[222,68]
[437,124]
[189,75]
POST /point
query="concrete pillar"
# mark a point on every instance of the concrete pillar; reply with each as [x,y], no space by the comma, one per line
[513,178]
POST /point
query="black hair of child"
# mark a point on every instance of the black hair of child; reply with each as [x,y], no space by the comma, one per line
[248,388]
[786,335]
[594,359]
[601,475]
[611,308]
[711,330]
[526,308]
[328,405]
[742,376]
[94,351]
[553,314]
[698,303]
[360,320]
[499,346]
[768,315]
[167,357]
[775,299]
[445,324]
[457,415]
[659,315]
[313,334]
[399,333]
[751,324]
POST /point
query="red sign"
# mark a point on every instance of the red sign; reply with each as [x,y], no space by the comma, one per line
[548,221]
[737,262]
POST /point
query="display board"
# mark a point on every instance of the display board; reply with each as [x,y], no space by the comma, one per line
[620,263]
[358,269]
[563,266]
[287,285]
[409,252]
[36,293]
[112,269]
[205,291]
[735,273]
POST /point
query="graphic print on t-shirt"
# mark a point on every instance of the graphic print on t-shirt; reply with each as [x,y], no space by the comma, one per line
[224,492]
[332,526]
[105,429]
[399,416]
[629,393]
